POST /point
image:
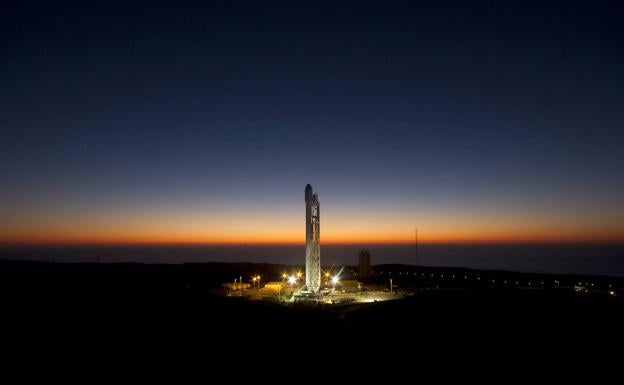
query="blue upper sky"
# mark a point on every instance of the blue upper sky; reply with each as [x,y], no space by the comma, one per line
[511,110]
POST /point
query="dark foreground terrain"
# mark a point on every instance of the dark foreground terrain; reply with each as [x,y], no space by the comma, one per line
[149,308]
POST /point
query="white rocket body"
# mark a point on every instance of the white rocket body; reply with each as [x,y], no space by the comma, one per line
[313,245]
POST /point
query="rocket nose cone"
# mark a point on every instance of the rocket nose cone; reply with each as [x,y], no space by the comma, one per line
[308,193]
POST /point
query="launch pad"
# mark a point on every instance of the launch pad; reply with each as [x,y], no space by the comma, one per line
[315,287]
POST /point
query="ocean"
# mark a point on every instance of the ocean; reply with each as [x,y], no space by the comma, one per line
[592,259]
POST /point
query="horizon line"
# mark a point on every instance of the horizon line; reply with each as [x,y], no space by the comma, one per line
[302,244]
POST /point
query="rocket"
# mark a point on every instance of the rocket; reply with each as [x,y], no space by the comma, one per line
[313,246]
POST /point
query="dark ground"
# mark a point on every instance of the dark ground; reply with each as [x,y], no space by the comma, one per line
[175,308]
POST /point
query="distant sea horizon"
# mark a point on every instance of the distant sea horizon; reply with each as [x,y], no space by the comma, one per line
[564,258]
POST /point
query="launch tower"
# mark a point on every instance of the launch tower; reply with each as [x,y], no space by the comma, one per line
[313,246]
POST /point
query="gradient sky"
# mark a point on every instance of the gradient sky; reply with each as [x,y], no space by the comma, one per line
[194,121]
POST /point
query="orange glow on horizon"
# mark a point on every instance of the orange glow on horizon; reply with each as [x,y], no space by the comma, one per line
[283,227]
[298,240]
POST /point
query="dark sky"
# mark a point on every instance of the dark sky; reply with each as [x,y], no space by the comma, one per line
[203,121]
